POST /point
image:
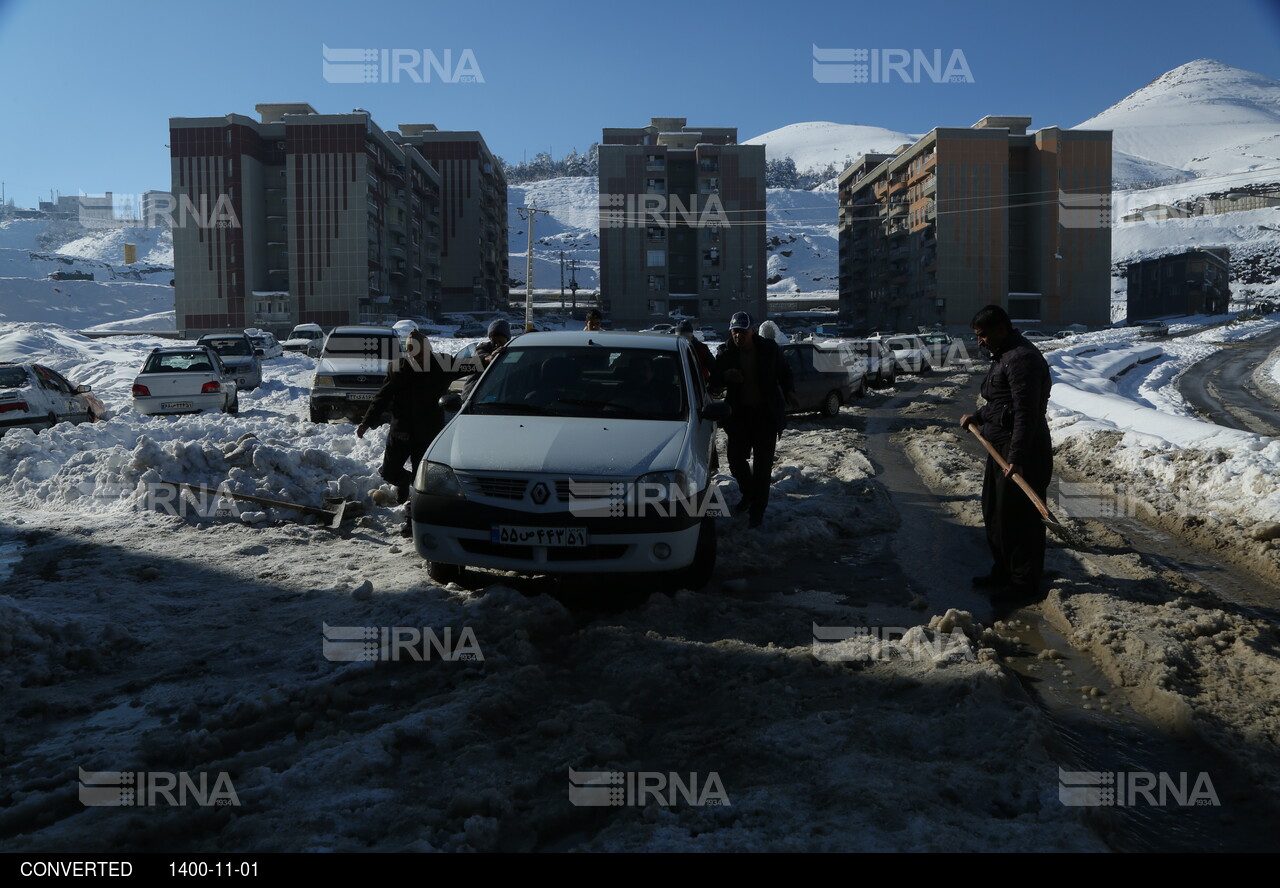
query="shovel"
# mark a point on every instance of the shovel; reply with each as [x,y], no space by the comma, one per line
[1062,532]
[334,516]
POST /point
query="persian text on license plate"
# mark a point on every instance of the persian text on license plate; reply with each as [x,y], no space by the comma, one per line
[538,536]
[361,396]
[176,405]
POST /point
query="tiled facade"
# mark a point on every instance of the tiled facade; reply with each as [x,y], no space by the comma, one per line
[473,215]
[682,212]
[970,217]
[300,218]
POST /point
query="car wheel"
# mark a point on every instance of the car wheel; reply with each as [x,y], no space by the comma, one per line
[698,574]
[53,419]
[893,377]
[831,404]
[317,416]
[445,573]
[235,405]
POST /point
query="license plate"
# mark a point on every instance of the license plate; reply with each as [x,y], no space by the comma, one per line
[538,536]
[176,405]
[361,396]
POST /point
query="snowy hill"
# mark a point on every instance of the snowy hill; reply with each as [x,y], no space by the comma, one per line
[1204,118]
[817,144]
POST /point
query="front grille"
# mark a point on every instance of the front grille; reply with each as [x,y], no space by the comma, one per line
[494,486]
[358,381]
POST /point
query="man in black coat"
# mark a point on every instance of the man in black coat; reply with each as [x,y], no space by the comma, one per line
[759,389]
[1013,419]
[411,395]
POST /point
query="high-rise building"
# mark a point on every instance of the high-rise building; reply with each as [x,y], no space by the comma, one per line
[300,217]
[682,213]
[988,215]
[473,216]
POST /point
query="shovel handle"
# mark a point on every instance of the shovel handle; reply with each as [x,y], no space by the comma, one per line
[1018,479]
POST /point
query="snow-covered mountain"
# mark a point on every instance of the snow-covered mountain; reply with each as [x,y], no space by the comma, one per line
[817,144]
[1204,118]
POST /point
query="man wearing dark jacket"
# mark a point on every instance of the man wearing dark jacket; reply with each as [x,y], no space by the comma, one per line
[759,389]
[1016,390]
[411,394]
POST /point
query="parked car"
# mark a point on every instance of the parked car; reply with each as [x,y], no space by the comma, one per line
[266,342]
[188,379]
[521,478]
[238,353]
[472,330]
[1036,336]
[354,363]
[823,381]
[660,328]
[910,353]
[708,334]
[879,365]
[303,336]
[33,396]
[1156,330]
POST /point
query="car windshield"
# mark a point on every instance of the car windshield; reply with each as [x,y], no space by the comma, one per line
[363,345]
[12,377]
[177,362]
[230,346]
[583,381]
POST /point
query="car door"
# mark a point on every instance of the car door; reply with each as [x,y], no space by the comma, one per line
[63,401]
[799,361]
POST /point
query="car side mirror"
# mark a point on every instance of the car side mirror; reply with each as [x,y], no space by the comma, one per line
[258,353]
[451,402]
[716,411]
[83,389]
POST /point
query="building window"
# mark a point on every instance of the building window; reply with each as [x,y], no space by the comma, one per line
[657,282]
[655,186]
[710,186]
[711,282]
[655,163]
[711,258]
[657,258]
[657,232]
[709,165]
[713,233]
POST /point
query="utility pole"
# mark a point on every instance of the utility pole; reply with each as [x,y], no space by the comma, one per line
[562,280]
[528,266]
[573,281]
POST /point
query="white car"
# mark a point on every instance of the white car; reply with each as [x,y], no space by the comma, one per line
[353,365]
[302,337]
[911,353]
[266,343]
[185,380]
[575,452]
[36,397]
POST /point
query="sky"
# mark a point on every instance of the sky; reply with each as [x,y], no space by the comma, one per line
[89,86]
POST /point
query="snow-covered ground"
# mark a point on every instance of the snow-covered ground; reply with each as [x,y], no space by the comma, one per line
[139,635]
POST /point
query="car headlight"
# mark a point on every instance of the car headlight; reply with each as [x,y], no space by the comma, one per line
[663,487]
[437,479]
[324,382]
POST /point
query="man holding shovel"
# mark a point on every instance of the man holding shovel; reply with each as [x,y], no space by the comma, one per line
[1013,420]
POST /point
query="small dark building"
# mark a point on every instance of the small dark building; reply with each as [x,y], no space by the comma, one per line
[1194,282]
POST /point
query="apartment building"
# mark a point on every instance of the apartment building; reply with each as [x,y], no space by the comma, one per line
[300,217]
[967,217]
[682,224]
[473,215]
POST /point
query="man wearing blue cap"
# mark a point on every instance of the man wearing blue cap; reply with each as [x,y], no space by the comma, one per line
[759,389]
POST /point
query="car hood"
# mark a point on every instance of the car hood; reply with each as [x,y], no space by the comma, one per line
[559,445]
[346,366]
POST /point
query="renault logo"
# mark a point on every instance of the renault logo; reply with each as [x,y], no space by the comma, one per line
[539,494]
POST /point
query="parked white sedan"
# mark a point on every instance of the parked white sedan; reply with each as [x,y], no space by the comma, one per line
[36,397]
[184,380]
[270,346]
